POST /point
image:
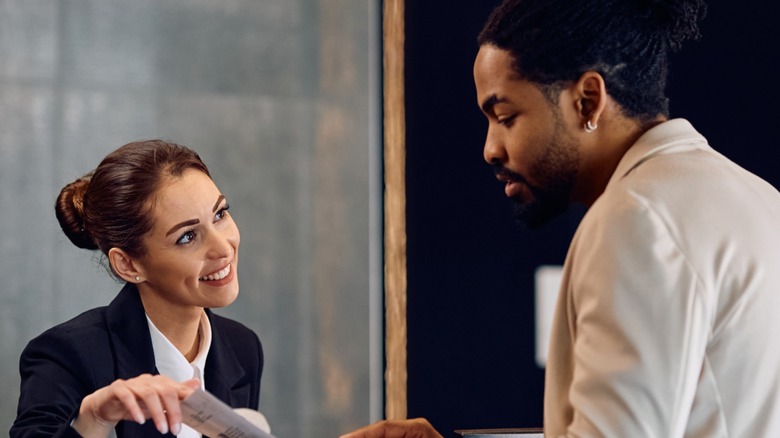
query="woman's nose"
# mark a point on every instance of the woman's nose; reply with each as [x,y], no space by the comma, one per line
[221,245]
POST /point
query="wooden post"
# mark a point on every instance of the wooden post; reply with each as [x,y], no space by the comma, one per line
[395,209]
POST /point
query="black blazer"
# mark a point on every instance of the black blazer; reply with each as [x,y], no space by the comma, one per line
[70,361]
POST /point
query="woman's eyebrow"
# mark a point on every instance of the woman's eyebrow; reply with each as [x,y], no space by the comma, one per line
[193,221]
[182,224]
[219,200]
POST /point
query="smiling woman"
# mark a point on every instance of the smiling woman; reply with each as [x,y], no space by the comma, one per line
[191,252]
[162,224]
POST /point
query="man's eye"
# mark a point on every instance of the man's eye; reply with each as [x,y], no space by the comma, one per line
[506,120]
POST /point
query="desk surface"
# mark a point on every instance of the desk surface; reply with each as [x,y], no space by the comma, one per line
[501,433]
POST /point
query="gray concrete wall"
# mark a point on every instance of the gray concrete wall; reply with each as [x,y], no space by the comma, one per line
[274,94]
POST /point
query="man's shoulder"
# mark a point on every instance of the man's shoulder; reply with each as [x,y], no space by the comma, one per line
[690,181]
[698,198]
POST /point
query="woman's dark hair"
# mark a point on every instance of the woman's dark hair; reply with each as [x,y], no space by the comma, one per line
[626,41]
[109,207]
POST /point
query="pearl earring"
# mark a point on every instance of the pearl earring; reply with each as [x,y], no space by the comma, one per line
[137,278]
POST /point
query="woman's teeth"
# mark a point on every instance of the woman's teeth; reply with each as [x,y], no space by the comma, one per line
[218,275]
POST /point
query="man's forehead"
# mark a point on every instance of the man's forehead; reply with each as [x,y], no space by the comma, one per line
[497,81]
[499,59]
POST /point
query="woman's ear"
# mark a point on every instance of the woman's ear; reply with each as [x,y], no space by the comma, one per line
[125,266]
[592,98]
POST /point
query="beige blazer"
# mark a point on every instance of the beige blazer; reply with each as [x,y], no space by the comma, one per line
[668,319]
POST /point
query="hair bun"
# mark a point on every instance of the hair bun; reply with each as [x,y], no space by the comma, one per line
[70,212]
[679,19]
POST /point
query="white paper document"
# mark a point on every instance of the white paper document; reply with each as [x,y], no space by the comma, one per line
[501,433]
[212,417]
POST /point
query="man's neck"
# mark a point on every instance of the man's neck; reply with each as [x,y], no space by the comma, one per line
[611,143]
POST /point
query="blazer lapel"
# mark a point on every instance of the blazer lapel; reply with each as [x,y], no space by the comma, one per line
[133,352]
[130,334]
[134,355]
[223,370]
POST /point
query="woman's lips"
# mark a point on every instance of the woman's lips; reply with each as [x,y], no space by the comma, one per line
[219,278]
[219,275]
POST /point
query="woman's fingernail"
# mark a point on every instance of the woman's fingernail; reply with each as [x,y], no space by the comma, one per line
[140,419]
[176,428]
[163,428]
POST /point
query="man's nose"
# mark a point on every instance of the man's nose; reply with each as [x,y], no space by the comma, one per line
[494,151]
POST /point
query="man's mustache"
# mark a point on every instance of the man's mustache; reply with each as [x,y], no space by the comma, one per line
[505,174]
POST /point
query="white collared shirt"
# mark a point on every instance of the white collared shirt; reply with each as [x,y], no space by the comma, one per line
[171,362]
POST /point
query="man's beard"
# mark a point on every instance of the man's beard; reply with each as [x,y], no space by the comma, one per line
[555,172]
[547,205]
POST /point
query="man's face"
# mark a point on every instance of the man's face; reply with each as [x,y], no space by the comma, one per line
[528,141]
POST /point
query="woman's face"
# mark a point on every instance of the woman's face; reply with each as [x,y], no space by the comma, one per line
[192,249]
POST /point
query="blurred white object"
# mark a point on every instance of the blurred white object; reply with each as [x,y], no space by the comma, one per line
[254,417]
[548,282]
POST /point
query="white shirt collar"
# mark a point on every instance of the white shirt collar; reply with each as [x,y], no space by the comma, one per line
[171,363]
[169,360]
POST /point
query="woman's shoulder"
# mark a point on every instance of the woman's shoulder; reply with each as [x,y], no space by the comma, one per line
[76,345]
[79,330]
[241,339]
[230,326]
[93,319]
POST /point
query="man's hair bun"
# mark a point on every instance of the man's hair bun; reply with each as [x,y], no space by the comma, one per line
[678,19]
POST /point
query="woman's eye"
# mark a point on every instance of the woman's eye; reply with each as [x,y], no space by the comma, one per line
[186,238]
[221,213]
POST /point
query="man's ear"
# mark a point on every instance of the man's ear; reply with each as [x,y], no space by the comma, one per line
[591,92]
[125,266]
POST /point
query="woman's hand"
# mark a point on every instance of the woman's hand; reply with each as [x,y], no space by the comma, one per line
[137,399]
[416,428]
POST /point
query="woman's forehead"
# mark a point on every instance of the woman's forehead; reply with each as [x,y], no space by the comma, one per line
[187,194]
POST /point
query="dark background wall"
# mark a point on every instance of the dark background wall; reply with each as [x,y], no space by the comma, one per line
[470,297]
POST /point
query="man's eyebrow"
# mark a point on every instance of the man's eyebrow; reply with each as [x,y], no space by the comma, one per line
[490,102]
[216,206]
[182,224]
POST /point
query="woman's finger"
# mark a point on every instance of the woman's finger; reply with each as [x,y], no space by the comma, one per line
[171,402]
[128,405]
[149,396]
